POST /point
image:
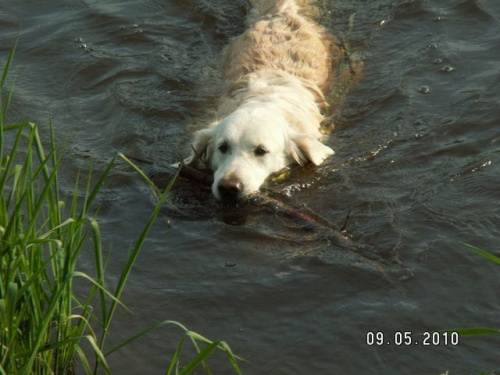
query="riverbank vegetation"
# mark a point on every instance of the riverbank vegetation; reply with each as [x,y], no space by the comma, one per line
[54,318]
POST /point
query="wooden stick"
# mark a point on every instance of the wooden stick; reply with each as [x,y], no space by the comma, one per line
[308,221]
[203,177]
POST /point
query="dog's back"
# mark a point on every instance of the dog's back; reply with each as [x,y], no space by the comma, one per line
[281,38]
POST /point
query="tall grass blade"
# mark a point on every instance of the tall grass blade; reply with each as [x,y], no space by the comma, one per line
[144,333]
[474,331]
[43,323]
[9,61]
[233,359]
[174,362]
[483,253]
[142,174]
[99,266]
[9,159]
[130,263]
[199,359]
[92,193]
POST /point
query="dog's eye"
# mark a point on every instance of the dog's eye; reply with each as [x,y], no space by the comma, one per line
[223,148]
[260,151]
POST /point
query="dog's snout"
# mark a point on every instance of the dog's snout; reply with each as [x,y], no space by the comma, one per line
[230,189]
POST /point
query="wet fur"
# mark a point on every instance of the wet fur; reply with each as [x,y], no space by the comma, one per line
[275,75]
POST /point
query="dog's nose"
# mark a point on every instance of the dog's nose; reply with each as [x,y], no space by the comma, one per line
[230,189]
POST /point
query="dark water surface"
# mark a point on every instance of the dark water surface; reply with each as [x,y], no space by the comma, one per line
[417,162]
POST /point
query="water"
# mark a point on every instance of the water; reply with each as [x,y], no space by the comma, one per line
[417,164]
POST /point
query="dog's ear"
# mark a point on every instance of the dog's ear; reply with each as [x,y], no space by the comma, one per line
[308,149]
[201,147]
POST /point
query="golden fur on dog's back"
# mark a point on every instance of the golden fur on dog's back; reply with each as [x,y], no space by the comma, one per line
[281,38]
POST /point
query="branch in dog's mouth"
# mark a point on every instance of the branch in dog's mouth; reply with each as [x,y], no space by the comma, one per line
[307,221]
[301,217]
[204,178]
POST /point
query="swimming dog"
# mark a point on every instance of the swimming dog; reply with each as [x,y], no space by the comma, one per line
[275,78]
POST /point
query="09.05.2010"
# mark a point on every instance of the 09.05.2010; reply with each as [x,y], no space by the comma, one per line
[408,338]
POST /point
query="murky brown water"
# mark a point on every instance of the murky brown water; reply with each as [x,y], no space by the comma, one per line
[417,162]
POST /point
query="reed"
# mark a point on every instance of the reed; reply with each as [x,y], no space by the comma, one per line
[45,327]
[475,331]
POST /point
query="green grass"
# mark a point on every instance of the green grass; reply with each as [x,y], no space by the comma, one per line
[477,331]
[45,328]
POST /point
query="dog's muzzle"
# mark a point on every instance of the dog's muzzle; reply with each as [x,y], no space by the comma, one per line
[230,189]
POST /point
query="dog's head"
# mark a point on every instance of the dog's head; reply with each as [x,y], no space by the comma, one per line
[249,145]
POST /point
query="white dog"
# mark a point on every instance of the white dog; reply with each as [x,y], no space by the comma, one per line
[270,113]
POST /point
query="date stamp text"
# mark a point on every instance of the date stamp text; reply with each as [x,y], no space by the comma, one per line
[409,338]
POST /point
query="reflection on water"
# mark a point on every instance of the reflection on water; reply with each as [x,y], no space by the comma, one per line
[416,165]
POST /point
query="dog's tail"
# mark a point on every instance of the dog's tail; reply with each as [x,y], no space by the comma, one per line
[263,7]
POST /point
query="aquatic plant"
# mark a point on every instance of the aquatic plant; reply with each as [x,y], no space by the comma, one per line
[474,331]
[45,326]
